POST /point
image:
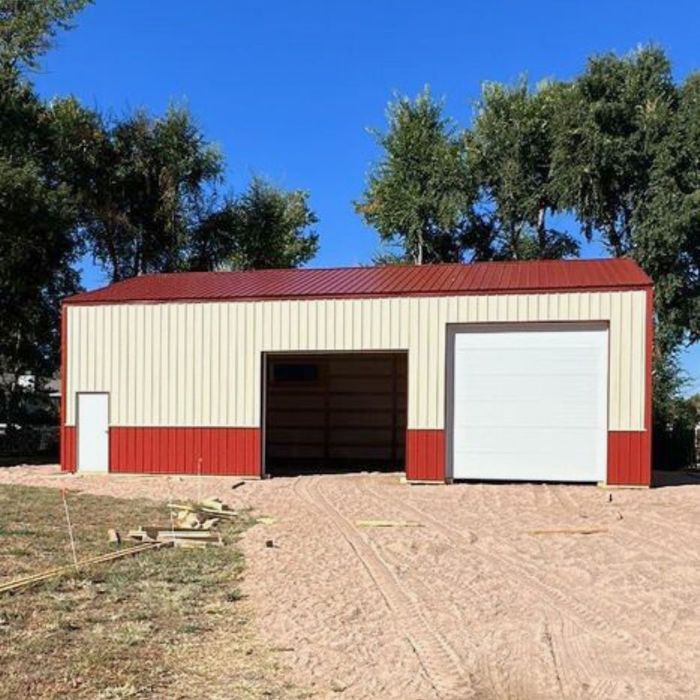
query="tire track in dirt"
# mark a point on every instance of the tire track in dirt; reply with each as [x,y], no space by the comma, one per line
[678,549]
[499,682]
[651,535]
[505,684]
[565,604]
[440,663]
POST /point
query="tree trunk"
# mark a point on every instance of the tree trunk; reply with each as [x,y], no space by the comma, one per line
[541,229]
[418,258]
[615,241]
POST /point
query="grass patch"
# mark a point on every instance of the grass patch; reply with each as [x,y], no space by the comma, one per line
[112,630]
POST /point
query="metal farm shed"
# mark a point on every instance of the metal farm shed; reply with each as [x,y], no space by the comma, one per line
[513,371]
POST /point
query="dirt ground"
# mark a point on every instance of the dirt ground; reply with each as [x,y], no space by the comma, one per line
[470,594]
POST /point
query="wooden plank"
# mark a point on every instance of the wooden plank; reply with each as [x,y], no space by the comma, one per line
[570,531]
[16,584]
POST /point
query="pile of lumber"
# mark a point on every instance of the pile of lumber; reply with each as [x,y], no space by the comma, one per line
[191,525]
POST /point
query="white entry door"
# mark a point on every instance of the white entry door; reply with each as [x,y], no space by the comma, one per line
[93,432]
[530,404]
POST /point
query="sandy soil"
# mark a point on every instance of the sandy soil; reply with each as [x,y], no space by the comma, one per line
[467,599]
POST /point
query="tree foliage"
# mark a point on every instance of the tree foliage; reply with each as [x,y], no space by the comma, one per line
[139,193]
[420,196]
[667,224]
[610,124]
[141,185]
[617,148]
[37,238]
[510,153]
[28,27]
[265,227]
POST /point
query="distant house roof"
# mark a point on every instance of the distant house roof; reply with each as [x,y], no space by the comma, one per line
[385,281]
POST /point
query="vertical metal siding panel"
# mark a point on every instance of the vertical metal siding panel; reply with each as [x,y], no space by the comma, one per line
[252,376]
[69,380]
[206,364]
[197,364]
[438,362]
[241,363]
[139,357]
[575,306]
[637,350]
[348,319]
[405,325]
[186,337]
[532,308]
[82,351]
[148,362]
[97,336]
[625,350]
[615,353]
[293,325]
[224,378]
[165,417]
[128,382]
[279,328]
[421,341]
[119,372]
[257,312]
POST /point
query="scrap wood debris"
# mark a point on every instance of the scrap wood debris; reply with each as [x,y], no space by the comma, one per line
[388,523]
[210,506]
[570,531]
[191,525]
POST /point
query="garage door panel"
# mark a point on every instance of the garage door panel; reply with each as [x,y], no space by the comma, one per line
[514,388]
[530,404]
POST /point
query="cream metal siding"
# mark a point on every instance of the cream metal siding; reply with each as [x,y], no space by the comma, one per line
[199,364]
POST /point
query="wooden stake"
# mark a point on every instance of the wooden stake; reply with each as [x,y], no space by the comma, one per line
[70,529]
[199,479]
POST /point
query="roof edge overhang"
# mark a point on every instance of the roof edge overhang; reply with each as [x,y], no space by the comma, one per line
[75,301]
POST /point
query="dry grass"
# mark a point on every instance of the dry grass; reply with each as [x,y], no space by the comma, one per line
[121,630]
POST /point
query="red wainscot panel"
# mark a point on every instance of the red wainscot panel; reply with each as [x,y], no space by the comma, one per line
[68,448]
[629,458]
[218,451]
[425,455]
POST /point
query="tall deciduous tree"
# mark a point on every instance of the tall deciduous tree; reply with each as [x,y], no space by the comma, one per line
[141,184]
[38,243]
[265,227]
[510,152]
[28,27]
[610,124]
[420,195]
[667,223]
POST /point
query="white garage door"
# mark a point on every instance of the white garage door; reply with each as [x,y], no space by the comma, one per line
[530,404]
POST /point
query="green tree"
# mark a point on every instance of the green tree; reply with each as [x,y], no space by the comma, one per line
[142,185]
[420,195]
[265,227]
[28,27]
[610,124]
[510,151]
[667,224]
[38,242]
[37,215]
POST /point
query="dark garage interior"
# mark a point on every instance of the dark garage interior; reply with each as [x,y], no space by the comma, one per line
[335,412]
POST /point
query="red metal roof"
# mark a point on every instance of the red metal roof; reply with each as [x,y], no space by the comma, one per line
[394,280]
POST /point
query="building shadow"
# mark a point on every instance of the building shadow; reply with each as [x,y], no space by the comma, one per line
[679,477]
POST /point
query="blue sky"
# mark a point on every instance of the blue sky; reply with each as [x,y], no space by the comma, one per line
[287,89]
